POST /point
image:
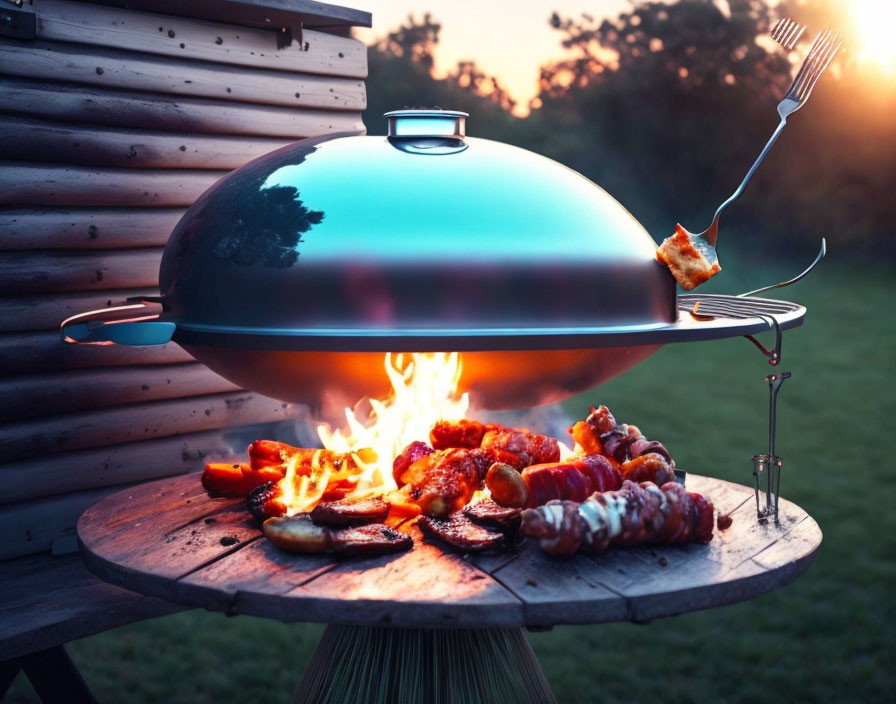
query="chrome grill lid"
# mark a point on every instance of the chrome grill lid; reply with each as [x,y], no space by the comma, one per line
[425,238]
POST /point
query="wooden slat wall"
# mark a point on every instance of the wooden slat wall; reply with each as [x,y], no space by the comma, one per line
[117,127]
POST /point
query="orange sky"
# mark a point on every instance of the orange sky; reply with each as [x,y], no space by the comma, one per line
[507,39]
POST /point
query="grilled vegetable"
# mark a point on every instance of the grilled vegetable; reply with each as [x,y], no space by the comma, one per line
[297,534]
[506,485]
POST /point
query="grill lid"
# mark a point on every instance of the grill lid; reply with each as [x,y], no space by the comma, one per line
[424,237]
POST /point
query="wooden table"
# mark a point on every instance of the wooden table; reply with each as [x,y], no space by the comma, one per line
[169,539]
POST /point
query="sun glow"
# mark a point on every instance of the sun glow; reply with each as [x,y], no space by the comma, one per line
[873,22]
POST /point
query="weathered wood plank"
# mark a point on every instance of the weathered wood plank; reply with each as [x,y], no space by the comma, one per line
[31,352]
[110,426]
[259,567]
[260,13]
[86,145]
[86,228]
[52,475]
[46,312]
[39,272]
[188,531]
[85,104]
[555,590]
[113,68]
[198,39]
[23,184]
[48,601]
[41,395]
[421,587]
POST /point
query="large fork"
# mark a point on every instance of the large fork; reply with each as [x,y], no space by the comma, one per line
[824,48]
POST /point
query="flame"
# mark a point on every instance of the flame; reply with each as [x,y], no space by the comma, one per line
[424,391]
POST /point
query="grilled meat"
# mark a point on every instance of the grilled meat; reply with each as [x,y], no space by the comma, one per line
[573,480]
[348,512]
[460,532]
[407,457]
[457,433]
[269,453]
[529,447]
[651,467]
[444,481]
[489,513]
[372,539]
[263,501]
[600,434]
[633,515]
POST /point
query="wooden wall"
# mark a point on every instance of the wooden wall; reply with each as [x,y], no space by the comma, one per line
[113,122]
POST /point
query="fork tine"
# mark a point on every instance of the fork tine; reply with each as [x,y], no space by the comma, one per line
[803,75]
[791,32]
[820,64]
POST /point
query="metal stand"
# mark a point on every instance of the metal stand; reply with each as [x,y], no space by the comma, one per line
[769,464]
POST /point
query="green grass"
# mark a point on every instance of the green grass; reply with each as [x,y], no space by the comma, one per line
[827,637]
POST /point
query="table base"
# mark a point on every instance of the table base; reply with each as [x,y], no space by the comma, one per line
[435,666]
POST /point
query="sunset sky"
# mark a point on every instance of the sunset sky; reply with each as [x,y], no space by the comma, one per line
[508,39]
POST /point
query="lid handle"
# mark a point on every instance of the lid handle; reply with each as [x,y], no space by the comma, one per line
[436,124]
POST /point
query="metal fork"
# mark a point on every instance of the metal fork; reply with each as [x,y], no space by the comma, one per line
[824,48]
[787,32]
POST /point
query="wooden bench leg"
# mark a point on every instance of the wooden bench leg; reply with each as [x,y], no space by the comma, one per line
[55,677]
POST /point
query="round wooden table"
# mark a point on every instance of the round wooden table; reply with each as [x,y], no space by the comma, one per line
[419,625]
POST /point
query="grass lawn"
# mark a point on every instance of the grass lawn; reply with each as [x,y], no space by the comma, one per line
[827,637]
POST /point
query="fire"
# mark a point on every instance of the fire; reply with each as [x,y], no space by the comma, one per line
[424,391]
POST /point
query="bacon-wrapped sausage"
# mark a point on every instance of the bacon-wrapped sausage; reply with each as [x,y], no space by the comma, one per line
[575,479]
[636,514]
[446,434]
[651,467]
[519,448]
[529,447]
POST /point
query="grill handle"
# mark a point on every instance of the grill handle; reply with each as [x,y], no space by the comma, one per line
[133,322]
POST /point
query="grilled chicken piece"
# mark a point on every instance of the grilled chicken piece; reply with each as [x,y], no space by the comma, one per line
[573,480]
[372,539]
[444,481]
[460,532]
[636,514]
[489,513]
[349,512]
